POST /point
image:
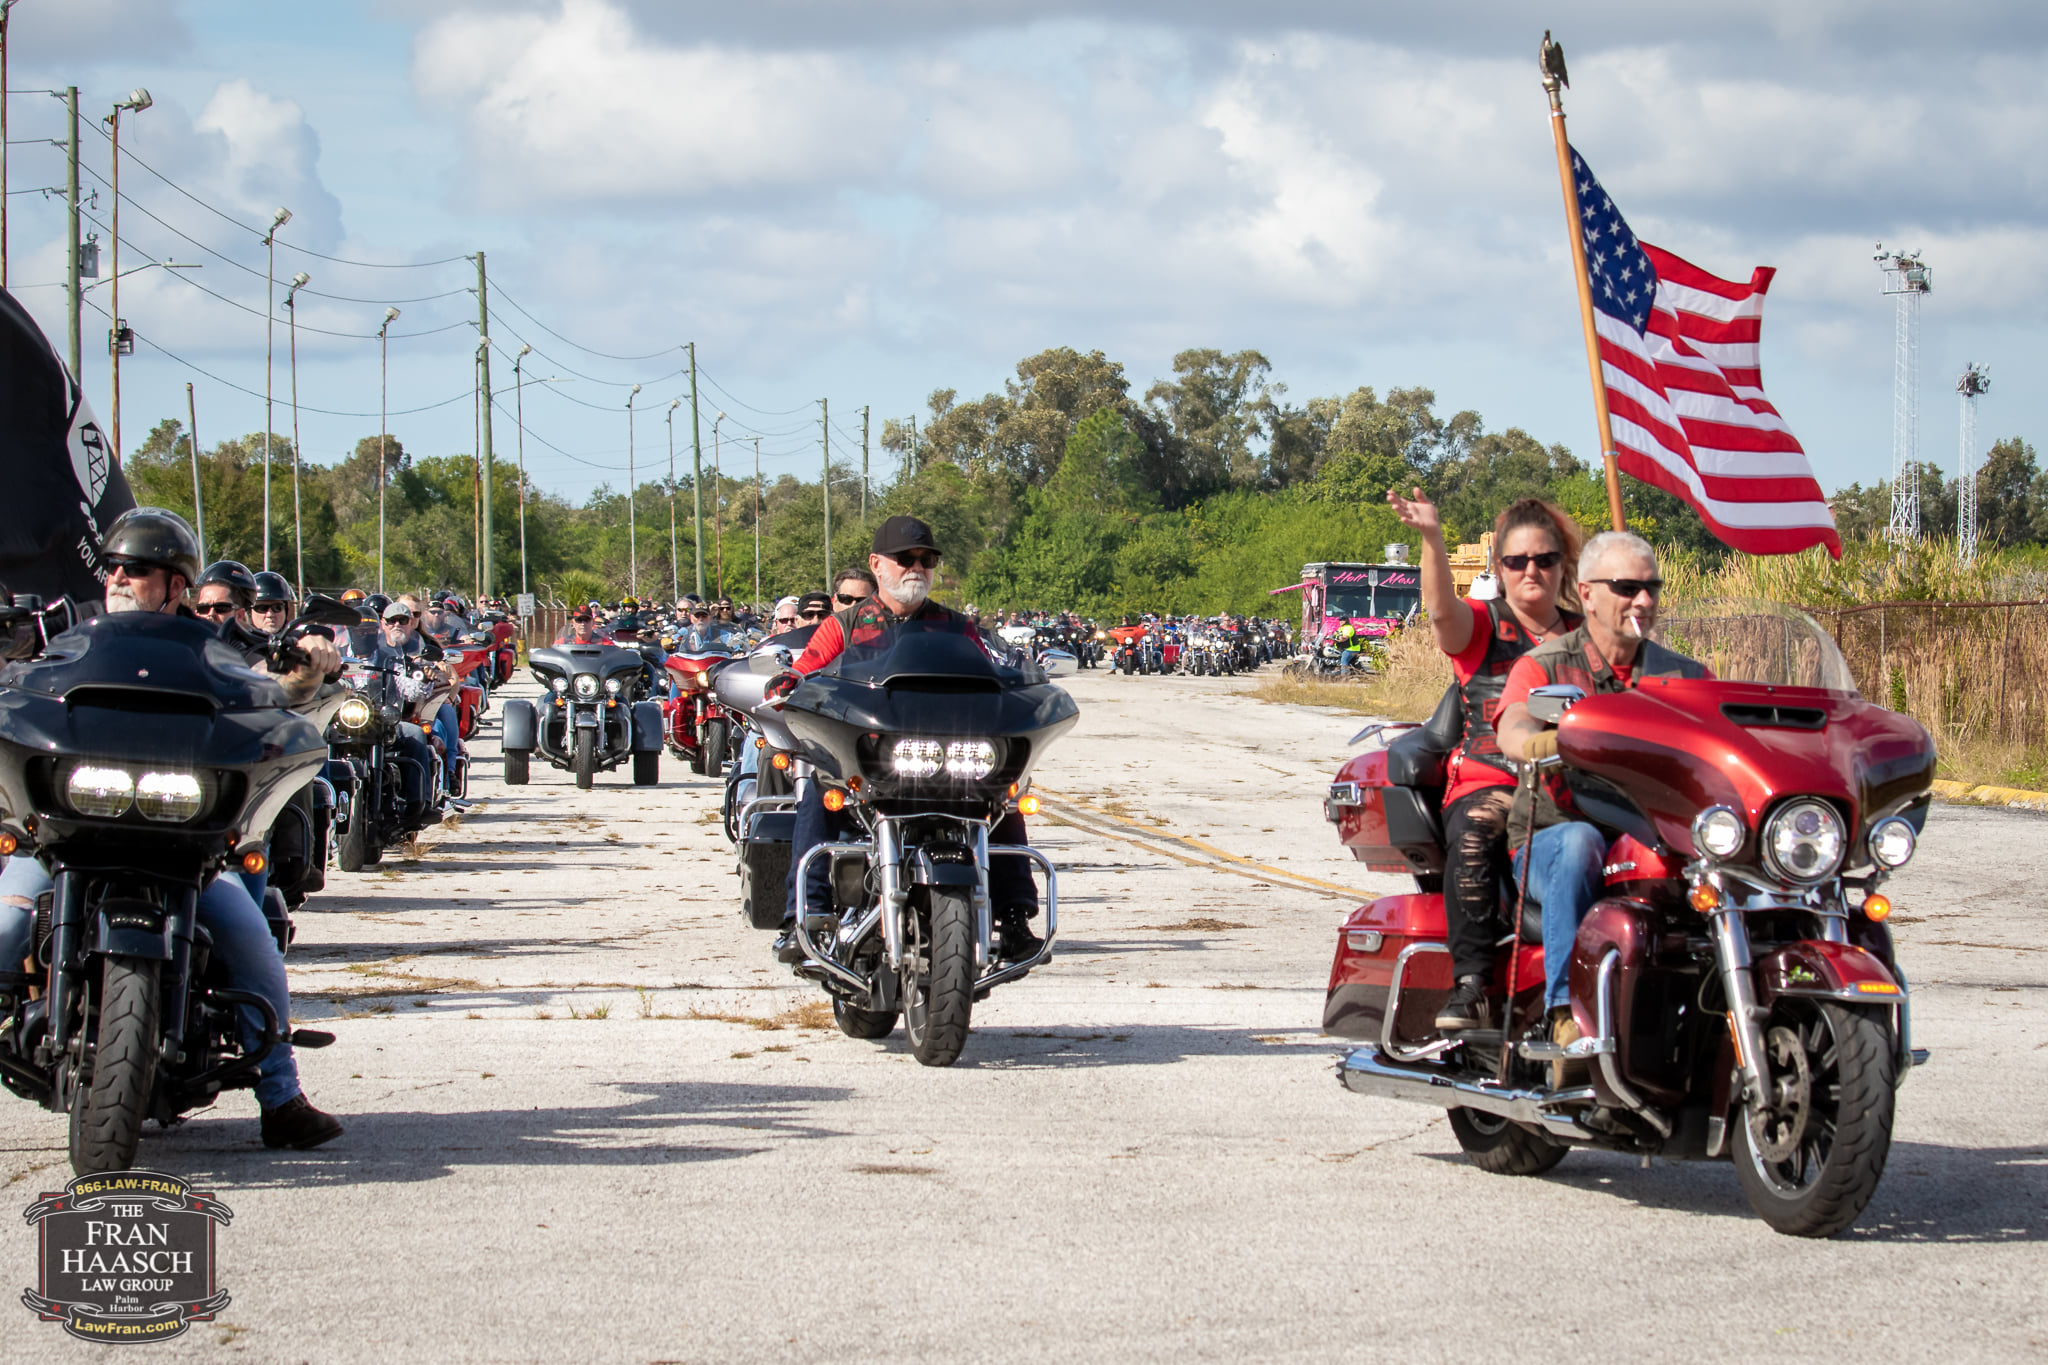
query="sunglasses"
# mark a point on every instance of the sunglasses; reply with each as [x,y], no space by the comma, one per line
[1630,587]
[398,620]
[133,568]
[846,601]
[916,559]
[270,608]
[1549,559]
[214,608]
[785,620]
[815,615]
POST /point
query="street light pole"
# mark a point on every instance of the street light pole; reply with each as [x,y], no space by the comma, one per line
[757,522]
[192,443]
[383,429]
[717,522]
[277,220]
[519,406]
[632,530]
[291,306]
[675,568]
[138,100]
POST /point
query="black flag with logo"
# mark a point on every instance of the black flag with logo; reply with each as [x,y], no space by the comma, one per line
[63,485]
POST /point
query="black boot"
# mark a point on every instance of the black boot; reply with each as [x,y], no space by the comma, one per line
[1013,924]
[296,1123]
[787,950]
[1466,1009]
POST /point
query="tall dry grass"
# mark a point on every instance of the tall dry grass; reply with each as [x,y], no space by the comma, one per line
[1412,676]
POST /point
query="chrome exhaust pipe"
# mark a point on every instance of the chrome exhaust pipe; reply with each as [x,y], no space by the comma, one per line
[1364,1072]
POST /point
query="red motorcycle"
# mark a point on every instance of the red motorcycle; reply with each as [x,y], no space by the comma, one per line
[700,730]
[1736,987]
[472,665]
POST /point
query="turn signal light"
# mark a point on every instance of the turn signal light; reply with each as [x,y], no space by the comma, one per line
[1028,806]
[254,862]
[760,742]
[1013,791]
[853,784]
[835,800]
[8,843]
[1877,908]
[1704,897]
[1876,988]
[780,762]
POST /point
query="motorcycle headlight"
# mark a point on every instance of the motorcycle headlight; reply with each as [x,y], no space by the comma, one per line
[353,714]
[1718,832]
[1804,841]
[612,685]
[560,684]
[970,758]
[918,757]
[102,793]
[1892,842]
[169,796]
[586,685]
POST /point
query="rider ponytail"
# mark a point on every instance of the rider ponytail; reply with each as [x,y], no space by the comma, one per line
[1558,523]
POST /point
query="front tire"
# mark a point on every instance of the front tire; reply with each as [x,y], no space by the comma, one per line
[1810,1164]
[717,740]
[518,768]
[647,769]
[1501,1146]
[938,980]
[107,1111]
[860,1023]
[351,849]
[586,758]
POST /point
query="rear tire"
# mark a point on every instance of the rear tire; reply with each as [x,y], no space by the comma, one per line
[860,1023]
[938,981]
[518,768]
[586,758]
[107,1112]
[1823,1184]
[1503,1147]
[647,769]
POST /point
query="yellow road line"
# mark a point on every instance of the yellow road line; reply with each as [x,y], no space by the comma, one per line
[1265,869]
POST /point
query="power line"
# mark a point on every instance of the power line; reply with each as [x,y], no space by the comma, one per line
[609,383]
[591,350]
[765,412]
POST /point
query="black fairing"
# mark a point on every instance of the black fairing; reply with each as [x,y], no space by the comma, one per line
[138,690]
[926,680]
[604,660]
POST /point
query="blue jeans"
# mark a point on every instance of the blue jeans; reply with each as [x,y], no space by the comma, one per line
[241,943]
[1344,664]
[448,725]
[1566,879]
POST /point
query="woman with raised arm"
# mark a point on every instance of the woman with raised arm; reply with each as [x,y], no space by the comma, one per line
[1536,549]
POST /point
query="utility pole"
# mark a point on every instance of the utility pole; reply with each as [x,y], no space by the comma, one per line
[383,429]
[632,517]
[291,305]
[519,420]
[277,220]
[863,466]
[5,6]
[488,583]
[697,468]
[71,240]
[825,486]
[675,554]
[192,441]
[757,522]
[717,509]
[137,101]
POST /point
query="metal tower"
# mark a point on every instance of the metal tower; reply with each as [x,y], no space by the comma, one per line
[1906,277]
[1975,380]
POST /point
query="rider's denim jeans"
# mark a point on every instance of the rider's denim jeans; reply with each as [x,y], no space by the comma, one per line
[1566,879]
[241,943]
[1344,664]
[448,725]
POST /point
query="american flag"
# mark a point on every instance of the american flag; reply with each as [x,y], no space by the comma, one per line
[1679,357]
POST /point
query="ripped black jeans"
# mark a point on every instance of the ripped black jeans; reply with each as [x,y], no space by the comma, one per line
[1475,860]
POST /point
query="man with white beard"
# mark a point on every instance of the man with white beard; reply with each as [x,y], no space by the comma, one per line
[905,556]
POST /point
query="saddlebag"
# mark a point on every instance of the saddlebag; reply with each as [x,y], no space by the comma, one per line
[1369,947]
[1386,803]
[647,727]
[764,867]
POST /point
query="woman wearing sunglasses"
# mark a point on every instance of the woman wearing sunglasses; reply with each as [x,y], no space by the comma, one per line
[1536,548]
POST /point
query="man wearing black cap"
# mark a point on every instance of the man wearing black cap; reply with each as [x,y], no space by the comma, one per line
[905,557]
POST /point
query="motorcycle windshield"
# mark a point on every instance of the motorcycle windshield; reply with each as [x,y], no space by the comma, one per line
[145,652]
[1759,642]
[913,652]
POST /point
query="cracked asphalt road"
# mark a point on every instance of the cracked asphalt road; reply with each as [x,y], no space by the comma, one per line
[590,1119]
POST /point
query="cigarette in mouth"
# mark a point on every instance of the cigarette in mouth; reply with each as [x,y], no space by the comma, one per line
[1636,625]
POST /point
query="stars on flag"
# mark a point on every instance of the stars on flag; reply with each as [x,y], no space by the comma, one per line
[1624,282]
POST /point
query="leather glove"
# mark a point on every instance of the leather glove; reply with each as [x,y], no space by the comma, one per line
[781,685]
[1541,745]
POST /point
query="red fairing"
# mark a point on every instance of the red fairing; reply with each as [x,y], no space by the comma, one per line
[1675,746]
[1818,967]
[1631,861]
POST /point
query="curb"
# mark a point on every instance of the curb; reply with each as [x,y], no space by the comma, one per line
[1990,796]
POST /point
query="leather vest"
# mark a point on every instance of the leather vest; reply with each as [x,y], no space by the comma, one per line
[1507,641]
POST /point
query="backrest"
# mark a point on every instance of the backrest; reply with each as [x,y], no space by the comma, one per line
[1417,758]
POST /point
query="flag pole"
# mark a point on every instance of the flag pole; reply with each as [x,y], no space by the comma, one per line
[1554,78]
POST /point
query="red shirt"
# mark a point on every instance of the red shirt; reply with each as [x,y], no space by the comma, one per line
[828,642]
[1467,778]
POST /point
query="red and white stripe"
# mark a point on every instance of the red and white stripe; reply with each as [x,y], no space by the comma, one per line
[1689,414]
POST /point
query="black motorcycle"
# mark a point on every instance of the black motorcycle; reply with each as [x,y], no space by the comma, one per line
[383,796]
[139,759]
[926,743]
[594,716]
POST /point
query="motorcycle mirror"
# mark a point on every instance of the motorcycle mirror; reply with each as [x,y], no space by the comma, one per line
[321,610]
[1549,702]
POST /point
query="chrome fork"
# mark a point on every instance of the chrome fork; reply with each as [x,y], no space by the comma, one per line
[1745,1018]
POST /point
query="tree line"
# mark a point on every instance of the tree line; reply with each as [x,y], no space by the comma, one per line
[1066,489]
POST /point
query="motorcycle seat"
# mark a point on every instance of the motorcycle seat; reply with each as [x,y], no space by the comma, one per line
[1418,757]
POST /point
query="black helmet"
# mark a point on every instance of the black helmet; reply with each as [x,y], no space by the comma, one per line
[241,584]
[374,604]
[150,535]
[273,587]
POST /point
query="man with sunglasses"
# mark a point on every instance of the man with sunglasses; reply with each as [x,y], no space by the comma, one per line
[904,560]
[151,558]
[854,586]
[1611,652]
[783,617]
[271,612]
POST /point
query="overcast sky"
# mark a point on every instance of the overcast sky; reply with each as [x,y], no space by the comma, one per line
[868,201]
